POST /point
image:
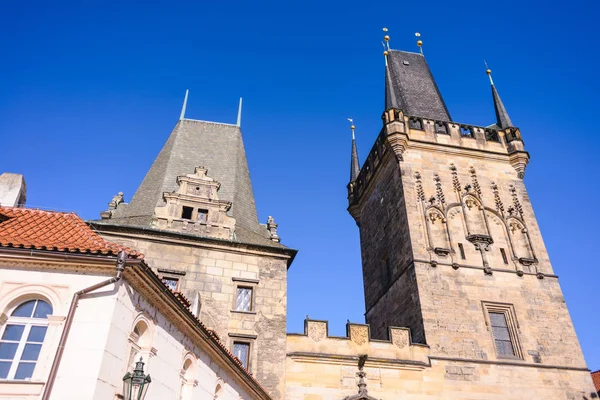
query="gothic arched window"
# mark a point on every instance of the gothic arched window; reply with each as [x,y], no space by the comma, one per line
[22,339]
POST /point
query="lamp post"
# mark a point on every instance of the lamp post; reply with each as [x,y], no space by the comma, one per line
[135,386]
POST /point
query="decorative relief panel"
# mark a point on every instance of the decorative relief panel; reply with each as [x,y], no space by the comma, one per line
[359,334]
[316,330]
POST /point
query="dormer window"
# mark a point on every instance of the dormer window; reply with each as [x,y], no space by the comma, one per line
[186,212]
[202,216]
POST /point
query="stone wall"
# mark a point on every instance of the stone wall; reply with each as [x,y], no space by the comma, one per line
[209,275]
[320,367]
[387,257]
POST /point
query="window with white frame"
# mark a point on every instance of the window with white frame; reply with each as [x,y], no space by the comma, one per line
[22,339]
[243,300]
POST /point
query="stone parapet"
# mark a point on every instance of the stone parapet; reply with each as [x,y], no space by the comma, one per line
[316,344]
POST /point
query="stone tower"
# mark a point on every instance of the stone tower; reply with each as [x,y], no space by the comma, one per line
[451,247]
[194,218]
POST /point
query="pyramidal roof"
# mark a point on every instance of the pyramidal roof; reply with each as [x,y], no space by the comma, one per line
[409,86]
[219,148]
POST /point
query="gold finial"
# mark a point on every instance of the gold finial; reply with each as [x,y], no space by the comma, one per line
[386,37]
[488,71]
[419,42]
[352,126]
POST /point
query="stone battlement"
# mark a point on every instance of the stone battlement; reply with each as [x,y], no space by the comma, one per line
[315,343]
[424,132]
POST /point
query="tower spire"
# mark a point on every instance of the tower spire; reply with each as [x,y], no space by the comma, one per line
[182,116]
[354,164]
[502,118]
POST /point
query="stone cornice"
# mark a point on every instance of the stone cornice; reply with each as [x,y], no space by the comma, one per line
[125,231]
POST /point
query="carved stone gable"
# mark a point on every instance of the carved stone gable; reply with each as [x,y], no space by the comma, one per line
[195,208]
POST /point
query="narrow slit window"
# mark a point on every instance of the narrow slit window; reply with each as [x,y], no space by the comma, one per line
[504,258]
[242,351]
[461,249]
[202,215]
[186,212]
[243,300]
[504,345]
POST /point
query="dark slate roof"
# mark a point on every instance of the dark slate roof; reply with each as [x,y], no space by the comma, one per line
[502,118]
[410,87]
[218,147]
[354,164]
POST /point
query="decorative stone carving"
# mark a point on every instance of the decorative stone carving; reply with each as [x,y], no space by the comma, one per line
[497,199]
[195,208]
[455,181]
[420,192]
[399,337]
[316,330]
[272,228]
[359,334]
[438,190]
[475,182]
[112,206]
[363,393]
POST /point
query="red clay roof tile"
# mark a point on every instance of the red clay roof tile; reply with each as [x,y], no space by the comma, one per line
[596,379]
[51,230]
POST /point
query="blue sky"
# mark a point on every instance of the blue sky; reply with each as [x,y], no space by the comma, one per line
[90,92]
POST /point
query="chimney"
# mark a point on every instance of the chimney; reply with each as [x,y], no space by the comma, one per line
[13,191]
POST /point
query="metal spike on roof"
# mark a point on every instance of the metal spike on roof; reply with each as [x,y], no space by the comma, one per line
[354,163]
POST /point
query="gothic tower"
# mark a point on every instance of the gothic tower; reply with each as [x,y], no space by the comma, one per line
[194,218]
[450,244]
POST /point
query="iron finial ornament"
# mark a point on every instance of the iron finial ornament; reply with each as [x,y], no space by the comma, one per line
[352,126]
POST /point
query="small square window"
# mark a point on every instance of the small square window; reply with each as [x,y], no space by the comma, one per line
[172,283]
[202,215]
[243,300]
[242,351]
[186,212]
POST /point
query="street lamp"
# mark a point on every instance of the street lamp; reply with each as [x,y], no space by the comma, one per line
[135,386]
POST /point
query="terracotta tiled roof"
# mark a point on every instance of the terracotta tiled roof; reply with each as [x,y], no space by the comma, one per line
[596,379]
[49,230]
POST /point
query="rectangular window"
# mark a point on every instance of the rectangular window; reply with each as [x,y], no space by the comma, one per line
[501,334]
[502,322]
[243,300]
[242,351]
[202,215]
[461,249]
[186,212]
[504,258]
